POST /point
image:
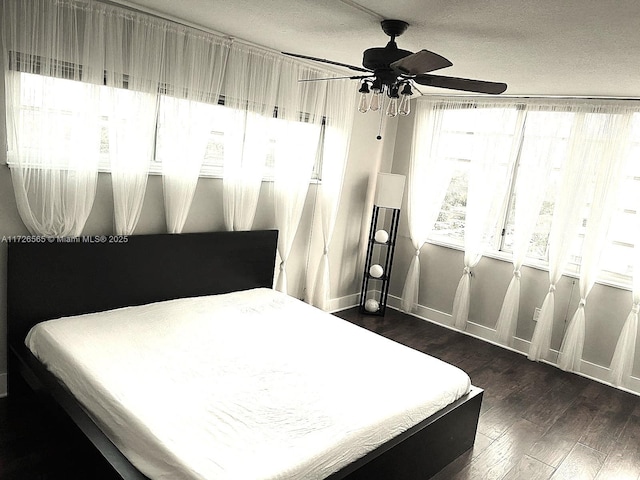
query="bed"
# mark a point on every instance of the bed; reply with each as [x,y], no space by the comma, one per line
[110,282]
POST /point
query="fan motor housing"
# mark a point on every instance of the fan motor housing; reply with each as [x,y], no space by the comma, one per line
[381,57]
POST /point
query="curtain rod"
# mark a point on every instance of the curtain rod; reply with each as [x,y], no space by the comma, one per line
[126,4]
[166,17]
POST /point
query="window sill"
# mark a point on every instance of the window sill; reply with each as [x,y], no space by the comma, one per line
[219,176]
[203,174]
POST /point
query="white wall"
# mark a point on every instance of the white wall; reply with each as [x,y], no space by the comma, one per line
[367,157]
[441,269]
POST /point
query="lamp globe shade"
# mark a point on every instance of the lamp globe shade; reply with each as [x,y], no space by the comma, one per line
[371,305]
[381,236]
[376,271]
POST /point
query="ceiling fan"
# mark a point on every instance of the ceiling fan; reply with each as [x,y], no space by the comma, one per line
[394,71]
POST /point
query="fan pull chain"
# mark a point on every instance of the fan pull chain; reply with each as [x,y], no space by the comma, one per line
[379,137]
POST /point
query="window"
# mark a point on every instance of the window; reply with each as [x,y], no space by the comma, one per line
[220,120]
[450,223]
[544,133]
[213,163]
[624,231]
[541,132]
[50,112]
[57,112]
[470,135]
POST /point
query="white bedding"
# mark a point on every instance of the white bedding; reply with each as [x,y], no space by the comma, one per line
[248,385]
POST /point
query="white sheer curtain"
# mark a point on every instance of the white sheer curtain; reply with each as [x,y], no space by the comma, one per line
[573,189]
[488,175]
[539,149]
[429,177]
[605,138]
[53,127]
[133,60]
[340,107]
[131,138]
[182,142]
[300,108]
[251,88]
[192,74]
[624,354]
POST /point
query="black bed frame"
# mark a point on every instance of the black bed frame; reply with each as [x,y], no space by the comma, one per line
[52,279]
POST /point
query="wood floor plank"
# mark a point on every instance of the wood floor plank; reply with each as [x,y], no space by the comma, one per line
[615,408]
[624,460]
[555,401]
[530,469]
[561,437]
[455,469]
[582,463]
[498,419]
[499,374]
[622,464]
[510,409]
[630,435]
[503,454]
[481,443]
[552,449]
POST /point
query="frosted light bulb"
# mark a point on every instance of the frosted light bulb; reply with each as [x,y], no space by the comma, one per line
[375,101]
[363,105]
[405,97]
[405,105]
[392,109]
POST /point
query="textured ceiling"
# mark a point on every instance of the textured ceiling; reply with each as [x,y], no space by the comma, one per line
[538,47]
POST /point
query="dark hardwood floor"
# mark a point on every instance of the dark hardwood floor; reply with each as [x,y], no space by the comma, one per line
[537,422]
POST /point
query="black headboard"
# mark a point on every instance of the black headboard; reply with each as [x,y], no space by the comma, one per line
[49,280]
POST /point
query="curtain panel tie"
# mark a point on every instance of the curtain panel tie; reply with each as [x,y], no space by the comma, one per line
[552,288]
[636,308]
[517,274]
[583,302]
[417,252]
[283,264]
[467,271]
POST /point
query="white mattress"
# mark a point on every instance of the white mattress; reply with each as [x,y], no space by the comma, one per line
[248,385]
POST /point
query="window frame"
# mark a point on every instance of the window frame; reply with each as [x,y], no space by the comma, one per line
[496,249]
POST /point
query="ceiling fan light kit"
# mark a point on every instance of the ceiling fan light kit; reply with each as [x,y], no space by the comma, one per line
[392,71]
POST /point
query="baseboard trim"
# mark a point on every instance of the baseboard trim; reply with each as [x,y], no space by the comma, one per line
[588,370]
[343,303]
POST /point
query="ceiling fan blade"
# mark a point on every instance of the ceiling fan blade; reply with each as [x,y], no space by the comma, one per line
[420,62]
[331,62]
[355,77]
[464,84]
